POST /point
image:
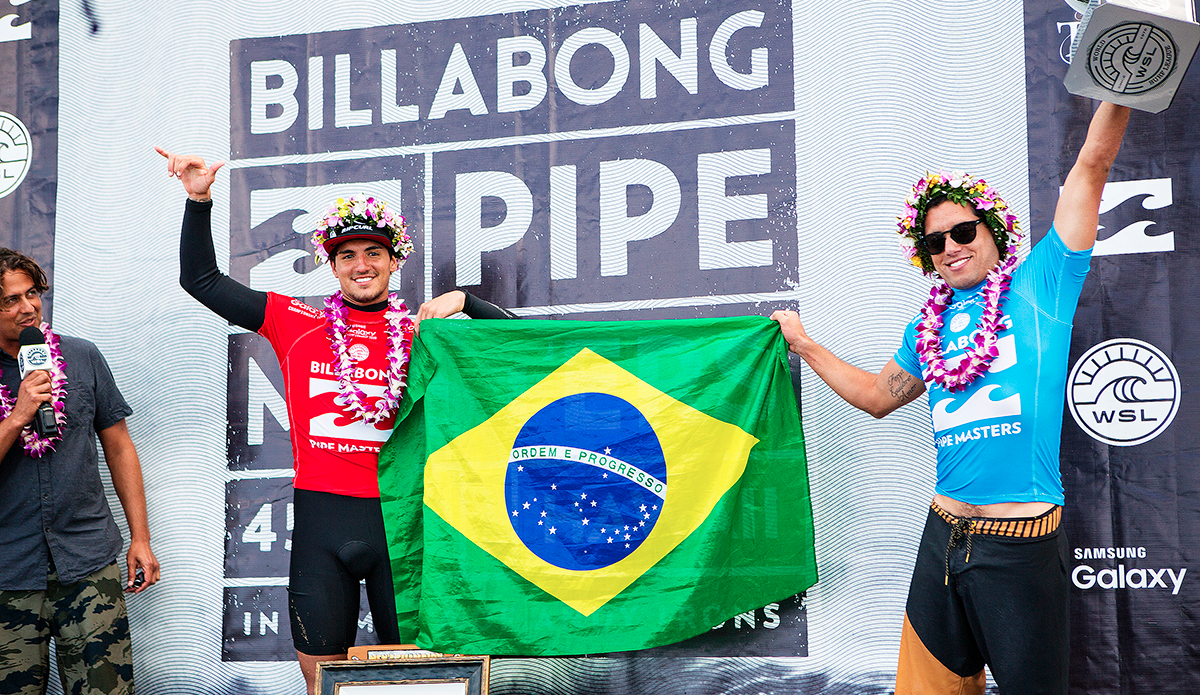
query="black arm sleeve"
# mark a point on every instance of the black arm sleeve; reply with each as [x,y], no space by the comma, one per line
[477,308]
[200,277]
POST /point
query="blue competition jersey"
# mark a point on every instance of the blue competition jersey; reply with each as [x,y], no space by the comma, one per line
[997,441]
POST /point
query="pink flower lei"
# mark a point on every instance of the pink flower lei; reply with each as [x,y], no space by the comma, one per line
[366,211]
[35,444]
[963,189]
[399,333]
[979,356]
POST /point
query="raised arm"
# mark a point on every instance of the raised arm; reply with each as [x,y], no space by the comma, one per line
[192,172]
[1078,213]
[875,394]
[198,271]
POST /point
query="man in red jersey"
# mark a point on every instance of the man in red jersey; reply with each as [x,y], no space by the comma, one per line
[343,369]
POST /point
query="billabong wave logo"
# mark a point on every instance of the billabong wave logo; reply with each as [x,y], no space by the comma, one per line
[1123,392]
[1132,58]
[587,480]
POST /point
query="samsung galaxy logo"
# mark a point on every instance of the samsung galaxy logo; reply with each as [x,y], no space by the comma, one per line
[1109,553]
[1085,577]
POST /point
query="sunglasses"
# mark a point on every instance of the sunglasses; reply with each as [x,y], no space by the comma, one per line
[962,233]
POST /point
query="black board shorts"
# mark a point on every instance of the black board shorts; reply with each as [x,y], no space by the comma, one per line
[338,541]
[987,591]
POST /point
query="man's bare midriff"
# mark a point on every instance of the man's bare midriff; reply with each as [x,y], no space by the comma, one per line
[1000,510]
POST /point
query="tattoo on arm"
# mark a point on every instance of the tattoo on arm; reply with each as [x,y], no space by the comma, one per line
[903,386]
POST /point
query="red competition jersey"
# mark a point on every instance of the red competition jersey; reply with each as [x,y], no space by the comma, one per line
[335,451]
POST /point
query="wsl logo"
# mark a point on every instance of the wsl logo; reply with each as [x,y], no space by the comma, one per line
[1123,392]
[586,481]
[1132,58]
[33,357]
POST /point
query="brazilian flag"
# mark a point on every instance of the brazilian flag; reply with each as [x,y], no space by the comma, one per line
[570,487]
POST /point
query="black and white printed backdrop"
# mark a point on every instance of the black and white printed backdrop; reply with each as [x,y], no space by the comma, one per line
[607,160]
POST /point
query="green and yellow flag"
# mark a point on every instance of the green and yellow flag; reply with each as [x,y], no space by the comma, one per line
[593,487]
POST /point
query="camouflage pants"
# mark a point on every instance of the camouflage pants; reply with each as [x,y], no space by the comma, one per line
[91,636]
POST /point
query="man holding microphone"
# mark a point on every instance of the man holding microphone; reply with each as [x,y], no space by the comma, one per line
[58,540]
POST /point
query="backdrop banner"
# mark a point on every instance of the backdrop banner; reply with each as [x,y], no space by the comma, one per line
[613,161]
[1130,430]
[662,186]
[29,131]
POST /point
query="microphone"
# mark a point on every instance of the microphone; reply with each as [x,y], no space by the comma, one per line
[34,355]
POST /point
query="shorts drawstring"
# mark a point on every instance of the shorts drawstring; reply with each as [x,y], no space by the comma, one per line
[958,530]
[964,527]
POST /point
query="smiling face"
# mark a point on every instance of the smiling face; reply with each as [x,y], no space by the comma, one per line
[961,265]
[20,308]
[363,268]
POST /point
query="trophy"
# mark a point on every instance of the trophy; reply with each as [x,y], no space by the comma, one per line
[1133,52]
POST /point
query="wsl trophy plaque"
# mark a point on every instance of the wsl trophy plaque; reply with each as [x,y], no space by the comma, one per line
[1133,52]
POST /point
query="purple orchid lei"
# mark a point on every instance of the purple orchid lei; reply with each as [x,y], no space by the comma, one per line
[35,444]
[978,356]
[399,334]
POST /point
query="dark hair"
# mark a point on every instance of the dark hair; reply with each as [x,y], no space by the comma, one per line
[15,261]
[943,198]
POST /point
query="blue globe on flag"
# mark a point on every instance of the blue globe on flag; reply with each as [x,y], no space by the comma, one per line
[586,481]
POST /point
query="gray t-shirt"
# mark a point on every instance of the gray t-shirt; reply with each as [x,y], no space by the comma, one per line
[54,507]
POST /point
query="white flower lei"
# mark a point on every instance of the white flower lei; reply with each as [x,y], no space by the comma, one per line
[399,334]
[35,444]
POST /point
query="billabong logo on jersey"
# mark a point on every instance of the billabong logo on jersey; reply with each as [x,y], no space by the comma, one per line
[984,404]
[337,422]
[1123,392]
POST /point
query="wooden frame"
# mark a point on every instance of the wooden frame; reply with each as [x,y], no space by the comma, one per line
[412,674]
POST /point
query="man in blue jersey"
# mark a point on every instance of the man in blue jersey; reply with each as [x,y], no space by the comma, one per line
[990,584]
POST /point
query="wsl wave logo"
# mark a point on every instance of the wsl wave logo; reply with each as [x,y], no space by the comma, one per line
[33,357]
[1123,392]
[586,481]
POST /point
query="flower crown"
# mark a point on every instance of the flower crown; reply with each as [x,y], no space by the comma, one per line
[365,212]
[959,188]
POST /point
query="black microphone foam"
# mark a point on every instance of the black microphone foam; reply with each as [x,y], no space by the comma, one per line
[31,335]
